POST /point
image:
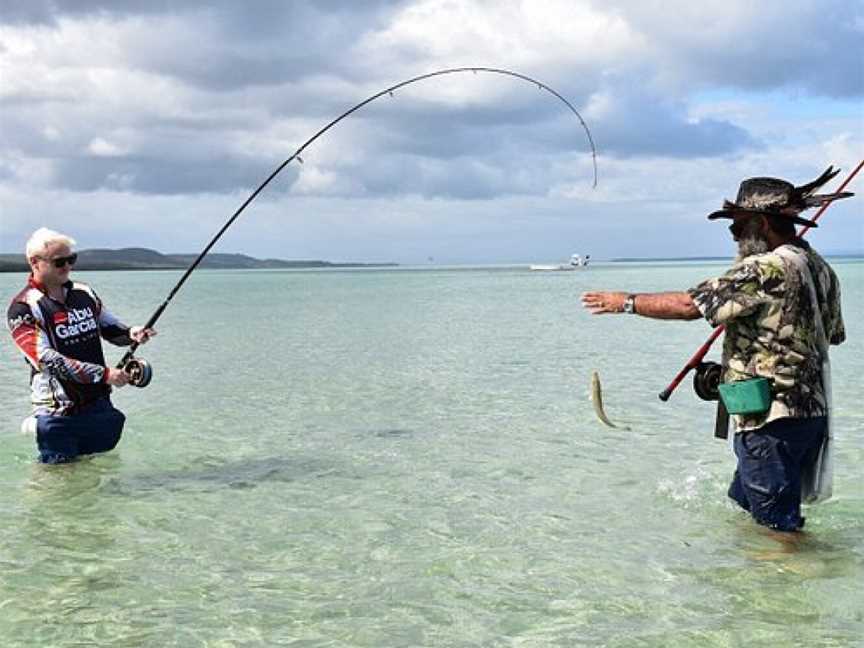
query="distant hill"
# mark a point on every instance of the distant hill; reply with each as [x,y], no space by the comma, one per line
[145,259]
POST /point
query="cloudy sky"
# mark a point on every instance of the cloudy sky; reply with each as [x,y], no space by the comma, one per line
[148,122]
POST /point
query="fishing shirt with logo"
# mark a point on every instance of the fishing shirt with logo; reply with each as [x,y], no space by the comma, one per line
[765,304]
[61,342]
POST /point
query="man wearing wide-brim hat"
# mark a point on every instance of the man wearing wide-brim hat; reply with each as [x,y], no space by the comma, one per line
[780,304]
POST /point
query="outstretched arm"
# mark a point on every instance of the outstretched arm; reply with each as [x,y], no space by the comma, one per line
[665,305]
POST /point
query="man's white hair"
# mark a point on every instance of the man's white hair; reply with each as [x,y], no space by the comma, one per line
[42,238]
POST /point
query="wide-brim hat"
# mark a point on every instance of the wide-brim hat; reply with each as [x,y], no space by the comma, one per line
[776,197]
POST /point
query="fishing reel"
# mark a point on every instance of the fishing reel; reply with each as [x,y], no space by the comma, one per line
[139,370]
[707,379]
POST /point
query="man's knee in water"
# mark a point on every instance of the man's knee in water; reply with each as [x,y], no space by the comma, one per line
[768,480]
[104,434]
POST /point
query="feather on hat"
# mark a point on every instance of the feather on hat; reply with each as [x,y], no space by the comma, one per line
[775,197]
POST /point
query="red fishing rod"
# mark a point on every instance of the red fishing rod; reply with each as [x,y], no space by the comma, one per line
[696,360]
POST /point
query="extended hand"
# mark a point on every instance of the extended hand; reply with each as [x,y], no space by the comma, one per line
[604,302]
[140,334]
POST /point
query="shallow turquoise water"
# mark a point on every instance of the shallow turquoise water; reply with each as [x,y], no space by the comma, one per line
[410,458]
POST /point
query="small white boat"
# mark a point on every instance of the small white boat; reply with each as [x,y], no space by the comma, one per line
[576,262]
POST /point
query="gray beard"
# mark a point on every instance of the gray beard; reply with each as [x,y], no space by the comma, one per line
[751,245]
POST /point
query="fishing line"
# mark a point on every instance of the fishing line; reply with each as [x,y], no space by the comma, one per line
[141,370]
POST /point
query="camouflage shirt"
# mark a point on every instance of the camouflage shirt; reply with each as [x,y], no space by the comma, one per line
[770,329]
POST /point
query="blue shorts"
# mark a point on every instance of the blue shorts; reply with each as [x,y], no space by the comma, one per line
[61,439]
[767,482]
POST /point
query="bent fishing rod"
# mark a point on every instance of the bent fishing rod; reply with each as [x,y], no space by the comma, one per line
[696,360]
[140,369]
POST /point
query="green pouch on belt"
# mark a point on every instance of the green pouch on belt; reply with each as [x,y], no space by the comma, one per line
[746,396]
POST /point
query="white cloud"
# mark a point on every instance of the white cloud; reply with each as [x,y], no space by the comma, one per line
[168,117]
[313,181]
[558,33]
[103,148]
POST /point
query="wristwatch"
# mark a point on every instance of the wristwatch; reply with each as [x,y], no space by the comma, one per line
[629,305]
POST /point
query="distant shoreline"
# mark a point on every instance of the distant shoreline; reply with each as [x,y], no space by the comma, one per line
[655,259]
[146,259]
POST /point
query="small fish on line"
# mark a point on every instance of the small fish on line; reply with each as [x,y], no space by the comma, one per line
[597,401]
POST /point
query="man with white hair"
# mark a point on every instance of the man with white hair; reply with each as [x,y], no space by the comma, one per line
[57,325]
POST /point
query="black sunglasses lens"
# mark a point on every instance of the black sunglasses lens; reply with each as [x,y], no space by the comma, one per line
[62,261]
